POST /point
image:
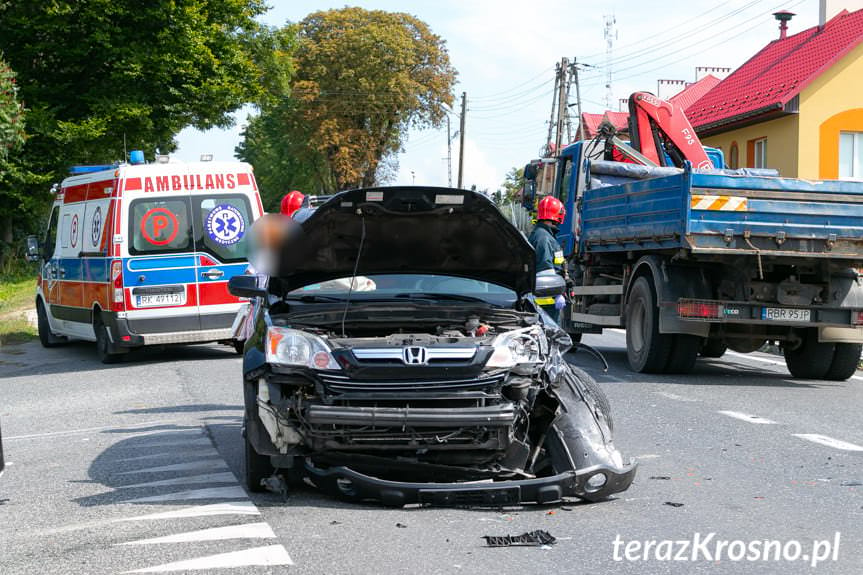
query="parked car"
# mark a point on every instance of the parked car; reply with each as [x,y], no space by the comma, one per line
[438,380]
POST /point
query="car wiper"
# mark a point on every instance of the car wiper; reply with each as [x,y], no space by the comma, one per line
[442,296]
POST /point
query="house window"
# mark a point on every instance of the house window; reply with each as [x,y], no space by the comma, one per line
[759,158]
[851,155]
[733,157]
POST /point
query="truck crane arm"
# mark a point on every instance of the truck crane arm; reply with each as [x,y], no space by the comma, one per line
[655,124]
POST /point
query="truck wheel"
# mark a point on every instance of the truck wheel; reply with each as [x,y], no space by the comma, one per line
[845,361]
[646,349]
[258,468]
[104,348]
[713,348]
[46,338]
[811,359]
[684,352]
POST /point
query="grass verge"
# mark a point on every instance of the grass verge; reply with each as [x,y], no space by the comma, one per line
[16,297]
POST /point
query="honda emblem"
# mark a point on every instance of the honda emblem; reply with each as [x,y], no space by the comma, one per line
[414,355]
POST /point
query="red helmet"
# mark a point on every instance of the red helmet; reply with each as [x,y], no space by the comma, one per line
[550,208]
[292,202]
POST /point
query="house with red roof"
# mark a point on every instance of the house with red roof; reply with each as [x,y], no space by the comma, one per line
[796,105]
[591,122]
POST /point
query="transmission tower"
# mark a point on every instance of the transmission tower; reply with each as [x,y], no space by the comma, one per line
[610,37]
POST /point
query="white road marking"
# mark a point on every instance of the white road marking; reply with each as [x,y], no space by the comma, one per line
[184,452]
[174,443]
[203,465]
[88,430]
[748,418]
[246,531]
[755,358]
[259,556]
[230,492]
[828,441]
[208,478]
[231,508]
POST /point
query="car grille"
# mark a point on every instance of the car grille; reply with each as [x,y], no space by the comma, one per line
[342,384]
[396,355]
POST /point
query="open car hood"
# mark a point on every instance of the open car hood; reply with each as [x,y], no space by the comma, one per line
[418,230]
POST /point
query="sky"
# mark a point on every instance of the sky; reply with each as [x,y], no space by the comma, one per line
[505,52]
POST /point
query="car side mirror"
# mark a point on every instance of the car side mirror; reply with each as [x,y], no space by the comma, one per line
[34,253]
[549,285]
[246,286]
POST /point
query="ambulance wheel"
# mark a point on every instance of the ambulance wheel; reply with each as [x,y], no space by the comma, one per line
[104,347]
[47,338]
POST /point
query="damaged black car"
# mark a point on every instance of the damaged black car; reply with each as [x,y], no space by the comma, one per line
[398,355]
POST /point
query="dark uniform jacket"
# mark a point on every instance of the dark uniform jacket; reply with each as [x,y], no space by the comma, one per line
[549,254]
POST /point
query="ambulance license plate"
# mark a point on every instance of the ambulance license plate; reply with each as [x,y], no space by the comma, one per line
[785,314]
[161,299]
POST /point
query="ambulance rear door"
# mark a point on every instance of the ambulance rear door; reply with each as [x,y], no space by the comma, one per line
[160,272]
[221,224]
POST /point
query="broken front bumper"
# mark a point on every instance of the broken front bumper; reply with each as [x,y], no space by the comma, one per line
[552,489]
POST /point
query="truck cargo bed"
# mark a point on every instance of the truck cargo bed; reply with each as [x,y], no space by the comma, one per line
[718,213]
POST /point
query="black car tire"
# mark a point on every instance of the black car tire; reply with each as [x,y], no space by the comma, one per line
[104,347]
[713,348]
[258,468]
[845,361]
[811,359]
[684,352]
[646,349]
[46,337]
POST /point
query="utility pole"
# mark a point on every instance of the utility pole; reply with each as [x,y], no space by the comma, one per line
[561,105]
[461,139]
[578,99]
[551,121]
[448,153]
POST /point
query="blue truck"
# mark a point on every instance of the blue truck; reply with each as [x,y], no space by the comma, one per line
[697,261]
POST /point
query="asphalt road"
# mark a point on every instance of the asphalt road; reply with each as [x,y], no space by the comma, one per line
[134,467]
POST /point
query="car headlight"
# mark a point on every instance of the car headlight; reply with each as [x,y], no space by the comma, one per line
[516,347]
[293,347]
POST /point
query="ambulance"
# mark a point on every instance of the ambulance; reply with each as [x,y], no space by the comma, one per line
[140,254]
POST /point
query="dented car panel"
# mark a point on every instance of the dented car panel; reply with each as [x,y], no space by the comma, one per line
[441,382]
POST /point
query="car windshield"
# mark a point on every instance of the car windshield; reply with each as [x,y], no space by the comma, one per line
[410,286]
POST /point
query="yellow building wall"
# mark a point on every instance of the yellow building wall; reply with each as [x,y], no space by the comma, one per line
[829,105]
[782,148]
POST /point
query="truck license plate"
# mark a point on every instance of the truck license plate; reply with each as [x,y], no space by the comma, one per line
[785,314]
[162,299]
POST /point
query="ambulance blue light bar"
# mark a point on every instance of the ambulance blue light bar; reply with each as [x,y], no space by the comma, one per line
[75,170]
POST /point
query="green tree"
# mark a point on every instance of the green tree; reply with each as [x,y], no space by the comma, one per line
[362,79]
[512,184]
[99,76]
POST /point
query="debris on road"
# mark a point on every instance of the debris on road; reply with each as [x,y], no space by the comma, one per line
[673,504]
[536,538]
[401,525]
[661,477]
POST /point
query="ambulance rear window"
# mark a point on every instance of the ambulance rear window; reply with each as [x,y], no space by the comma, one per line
[160,226]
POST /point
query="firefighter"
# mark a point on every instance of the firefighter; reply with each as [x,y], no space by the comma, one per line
[292,202]
[549,255]
[549,215]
